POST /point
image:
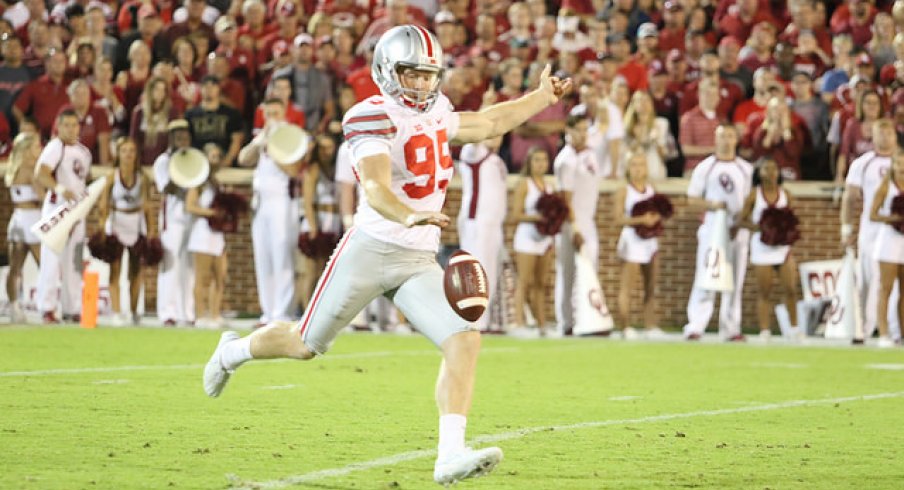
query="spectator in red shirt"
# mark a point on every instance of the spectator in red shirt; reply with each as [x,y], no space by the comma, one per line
[698,20]
[730,67]
[486,39]
[730,94]
[445,25]
[855,18]
[647,44]
[757,52]
[94,125]
[676,67]
[346,60]
[132,81]
[254,25]
[857,137]
[780,138]
[193,23]
[698,126]
[360,80]
[106,94]
[233,92]
[803,17]
[150,120]
[633,72]
[43,97]
[519,20]
[747,115]
[38,45]
[287,30]
[242,63]
[740,20]
[695,44]
[671,36]
[280,88]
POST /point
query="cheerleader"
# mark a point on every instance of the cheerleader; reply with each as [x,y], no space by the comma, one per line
[533,251]
[322,225]
[768,192]
[890,243]
[25,194]
[639,255]
[207,246]
[124,212]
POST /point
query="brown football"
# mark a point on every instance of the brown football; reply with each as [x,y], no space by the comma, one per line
[465,284]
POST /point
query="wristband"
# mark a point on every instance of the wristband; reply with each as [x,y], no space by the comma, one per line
[846,231]
[348,220]
[410,220]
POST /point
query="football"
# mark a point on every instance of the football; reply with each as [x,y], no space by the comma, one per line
[465,284]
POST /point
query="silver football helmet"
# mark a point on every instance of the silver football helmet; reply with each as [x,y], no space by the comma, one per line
[408,46]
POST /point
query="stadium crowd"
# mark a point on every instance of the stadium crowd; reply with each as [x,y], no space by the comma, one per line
[661,87]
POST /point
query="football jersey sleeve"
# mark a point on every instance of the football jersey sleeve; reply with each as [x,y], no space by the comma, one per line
[52,154]
[855,172]
[368,129]
[344,172]
[697,186]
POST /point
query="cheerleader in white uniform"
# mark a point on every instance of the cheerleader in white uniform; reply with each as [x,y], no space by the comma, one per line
[890,244]
[768,192]
[124,213]
[26,196]
[208,246]
[321,213]
[533,251]
[639,255]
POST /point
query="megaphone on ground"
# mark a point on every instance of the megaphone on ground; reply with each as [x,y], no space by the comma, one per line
[53,229]
[717,273]
[287,144]
[844,320]
[591,315]
[188,168]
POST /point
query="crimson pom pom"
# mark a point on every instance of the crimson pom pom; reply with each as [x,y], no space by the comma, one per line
[897,207]
[320,247]
[231,205]
[656,204]
[554,211]
[105,247]
[663,205]
[150,250]
[778,226]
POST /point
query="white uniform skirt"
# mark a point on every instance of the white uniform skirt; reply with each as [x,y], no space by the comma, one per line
[204,240]
[890,245]
[127,227]
[20,223]
[528,240]
[634,249]
[762,254]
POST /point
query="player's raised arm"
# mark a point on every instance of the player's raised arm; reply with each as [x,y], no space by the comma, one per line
[499,119]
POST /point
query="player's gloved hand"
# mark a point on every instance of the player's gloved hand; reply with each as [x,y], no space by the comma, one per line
[427,218]
[554,86]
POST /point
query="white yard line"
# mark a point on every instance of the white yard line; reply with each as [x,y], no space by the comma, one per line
[328,357]
[517,434]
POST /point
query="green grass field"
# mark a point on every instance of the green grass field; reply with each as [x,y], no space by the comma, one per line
[124,408]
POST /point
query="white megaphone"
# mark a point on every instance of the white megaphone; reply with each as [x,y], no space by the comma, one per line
[591,315]
[287,144]
[53,229]
[844,313]
[188,168]
[717,273]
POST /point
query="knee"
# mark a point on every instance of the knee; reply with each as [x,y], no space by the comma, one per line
[463,343]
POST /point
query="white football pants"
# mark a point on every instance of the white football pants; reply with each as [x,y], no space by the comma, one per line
[564,289]
[274,233]
[484,241]
[868,288]
[176,276]
[701,303]
[68,264]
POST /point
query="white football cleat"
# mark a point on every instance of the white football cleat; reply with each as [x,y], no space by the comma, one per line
[469,463]
[215,375]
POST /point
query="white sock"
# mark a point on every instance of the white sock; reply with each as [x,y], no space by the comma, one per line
[236,353]
[451,434]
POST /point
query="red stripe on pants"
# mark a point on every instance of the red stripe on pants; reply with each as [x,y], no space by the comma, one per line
[309,311]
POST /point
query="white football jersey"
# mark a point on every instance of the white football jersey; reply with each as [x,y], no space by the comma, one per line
[70,164]
[483,186]
[728,182]
[867,172]
[580,174]
[418,146]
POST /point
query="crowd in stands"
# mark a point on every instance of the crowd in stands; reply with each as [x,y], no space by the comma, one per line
[802,79]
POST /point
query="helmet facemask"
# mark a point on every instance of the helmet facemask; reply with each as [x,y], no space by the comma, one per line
[420,99]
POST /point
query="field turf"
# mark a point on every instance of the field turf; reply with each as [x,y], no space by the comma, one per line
[124,408]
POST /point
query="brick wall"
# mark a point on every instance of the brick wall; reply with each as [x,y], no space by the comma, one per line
[819,226]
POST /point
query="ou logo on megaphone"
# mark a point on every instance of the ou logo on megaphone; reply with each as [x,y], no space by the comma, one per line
[65,210]
[836,310]
[713,256]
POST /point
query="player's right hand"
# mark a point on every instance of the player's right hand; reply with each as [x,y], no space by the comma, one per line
[427,218]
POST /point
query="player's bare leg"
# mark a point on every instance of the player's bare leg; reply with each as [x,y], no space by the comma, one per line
[454,389]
